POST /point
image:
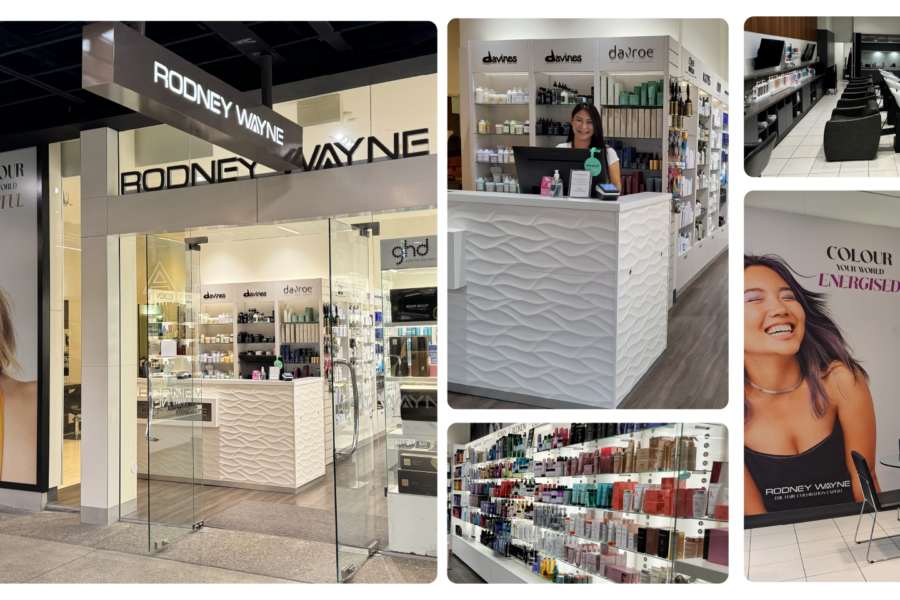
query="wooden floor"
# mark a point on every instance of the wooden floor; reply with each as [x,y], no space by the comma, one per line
[459,572]
[693,371]
[172,502]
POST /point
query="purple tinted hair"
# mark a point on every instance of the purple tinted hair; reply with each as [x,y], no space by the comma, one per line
[823,342]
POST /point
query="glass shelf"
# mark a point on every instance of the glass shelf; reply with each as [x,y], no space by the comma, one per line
[505,104]
[584,446]
[629,106]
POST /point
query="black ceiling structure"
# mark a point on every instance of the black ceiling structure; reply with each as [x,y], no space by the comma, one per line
[40,64]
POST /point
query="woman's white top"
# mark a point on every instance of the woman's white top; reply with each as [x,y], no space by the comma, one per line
[611,156]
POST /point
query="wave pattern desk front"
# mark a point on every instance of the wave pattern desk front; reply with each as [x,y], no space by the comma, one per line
[565,302]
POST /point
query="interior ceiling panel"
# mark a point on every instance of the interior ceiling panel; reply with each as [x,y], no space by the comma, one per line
[40,62]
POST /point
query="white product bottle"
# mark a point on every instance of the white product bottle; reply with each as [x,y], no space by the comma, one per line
[527,128]
[520,129]
[526,96]
[520,96]
[479,95]
[479,184]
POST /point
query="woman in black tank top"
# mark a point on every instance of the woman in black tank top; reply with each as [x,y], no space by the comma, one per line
[807,403]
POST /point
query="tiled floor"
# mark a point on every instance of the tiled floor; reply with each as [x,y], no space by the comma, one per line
[802,154]
[824,550]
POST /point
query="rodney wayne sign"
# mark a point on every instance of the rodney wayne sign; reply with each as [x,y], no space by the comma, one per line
[130,69]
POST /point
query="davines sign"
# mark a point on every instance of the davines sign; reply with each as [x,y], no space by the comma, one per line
[231,169]
[132,70]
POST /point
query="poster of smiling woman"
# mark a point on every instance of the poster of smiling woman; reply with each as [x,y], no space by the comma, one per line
[821,341]
[18,316]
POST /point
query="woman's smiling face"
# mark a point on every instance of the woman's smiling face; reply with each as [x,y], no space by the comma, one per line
[774,321]
[582,126]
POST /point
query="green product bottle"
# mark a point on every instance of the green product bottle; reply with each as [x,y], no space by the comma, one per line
[278,365]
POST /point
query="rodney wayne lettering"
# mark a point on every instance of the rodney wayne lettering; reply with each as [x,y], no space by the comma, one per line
[804,491]
[193,92]
[323,157]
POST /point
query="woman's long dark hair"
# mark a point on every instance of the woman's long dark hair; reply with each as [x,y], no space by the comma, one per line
[823,342]
[597,138]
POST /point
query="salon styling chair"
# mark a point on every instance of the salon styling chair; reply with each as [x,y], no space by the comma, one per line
[756,156]
[872,498]
[853,133]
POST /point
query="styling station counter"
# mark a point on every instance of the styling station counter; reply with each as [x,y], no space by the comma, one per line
[264,435]
[556,302]
[787,105]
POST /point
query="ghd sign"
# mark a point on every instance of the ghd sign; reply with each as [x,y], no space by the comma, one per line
[559,58]
[493,60]
[409,253]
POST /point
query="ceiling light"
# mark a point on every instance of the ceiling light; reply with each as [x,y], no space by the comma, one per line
[69,248]
[291,230]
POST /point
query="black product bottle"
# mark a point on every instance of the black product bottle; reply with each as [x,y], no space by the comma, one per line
[688,107]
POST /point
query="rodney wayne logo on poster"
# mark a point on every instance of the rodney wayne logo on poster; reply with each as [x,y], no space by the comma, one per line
[193,92]
[498,59]
[557,58]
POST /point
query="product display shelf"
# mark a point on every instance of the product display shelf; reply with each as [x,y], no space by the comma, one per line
[710,444]
[702,569]
[554,85]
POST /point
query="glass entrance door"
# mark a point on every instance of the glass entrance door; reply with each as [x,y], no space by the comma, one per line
[358,489]
[173,494]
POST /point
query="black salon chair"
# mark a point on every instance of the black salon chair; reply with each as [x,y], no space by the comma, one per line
[857,101]
[756,156]
[858,92]
[872,498]
[853,133]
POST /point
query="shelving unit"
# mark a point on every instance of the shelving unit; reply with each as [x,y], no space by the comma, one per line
[532,69]
[527,529]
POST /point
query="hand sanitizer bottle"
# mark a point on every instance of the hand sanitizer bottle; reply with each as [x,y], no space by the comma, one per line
[556,186]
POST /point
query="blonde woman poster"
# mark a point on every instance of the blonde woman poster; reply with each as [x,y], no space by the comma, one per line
[18,407]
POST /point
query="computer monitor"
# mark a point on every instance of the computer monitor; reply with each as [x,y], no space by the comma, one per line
[532,164]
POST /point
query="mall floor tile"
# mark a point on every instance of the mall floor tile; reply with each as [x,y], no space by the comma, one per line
[23,559]
[104,566]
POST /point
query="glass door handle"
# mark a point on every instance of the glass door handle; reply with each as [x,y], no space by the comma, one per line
[149,409]
[352,448]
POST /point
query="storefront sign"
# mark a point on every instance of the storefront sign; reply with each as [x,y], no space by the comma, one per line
[130,69]
[179,176]
[498,59]
[633,54]
[330,155]
[499,56]
[409,253]
[19,316]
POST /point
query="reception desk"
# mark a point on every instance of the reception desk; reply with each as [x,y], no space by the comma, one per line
[564,301]
[265,435]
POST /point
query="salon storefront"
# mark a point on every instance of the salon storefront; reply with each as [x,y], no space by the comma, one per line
[237,328]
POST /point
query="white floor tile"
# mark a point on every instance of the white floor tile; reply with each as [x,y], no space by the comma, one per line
[823,166]
[813,524]
[771,541]
[774,555]
[789,141]
[807,152]
[798,165]
[782,151]
[795,175]
[876,553]
[879,537]
[777,572]
[883,174]
[848,520]
[803,579]
[774,167]
[848,527]
[823,547]
[813,139]
[883,571]
[747,533]
[829,563]
[760,531]
[883,163]
[746,544]
[855,174]
[850,575]
[823,175]
[854,165]
[819,533]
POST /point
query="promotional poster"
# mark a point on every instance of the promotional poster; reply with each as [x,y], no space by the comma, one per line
[18,316]
[821,337]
